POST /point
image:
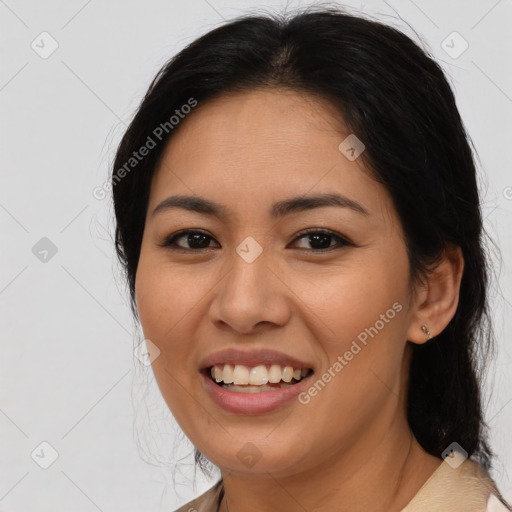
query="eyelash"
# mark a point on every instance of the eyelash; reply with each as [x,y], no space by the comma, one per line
[170,242]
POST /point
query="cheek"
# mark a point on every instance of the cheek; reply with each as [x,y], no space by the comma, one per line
[352,296]
[168,309]
[172,302]
[163,302]
[363,316]
[167,294]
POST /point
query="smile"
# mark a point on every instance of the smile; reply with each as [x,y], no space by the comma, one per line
[245,379]
[254,399]
[253,382]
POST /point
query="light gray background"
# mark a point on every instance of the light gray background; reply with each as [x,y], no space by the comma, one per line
[68,373]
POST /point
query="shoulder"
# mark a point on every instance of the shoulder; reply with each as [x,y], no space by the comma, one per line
[207,502]
[458,485]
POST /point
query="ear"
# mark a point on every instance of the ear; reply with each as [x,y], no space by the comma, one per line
[437,299]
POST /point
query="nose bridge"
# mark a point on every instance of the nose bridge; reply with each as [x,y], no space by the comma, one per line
[247,280]
[248,259]
[250,294]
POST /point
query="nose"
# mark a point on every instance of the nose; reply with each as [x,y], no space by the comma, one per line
[251,297]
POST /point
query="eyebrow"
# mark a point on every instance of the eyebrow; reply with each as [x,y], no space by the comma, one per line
[279,209]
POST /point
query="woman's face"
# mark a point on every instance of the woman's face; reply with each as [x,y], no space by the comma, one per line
[252,283]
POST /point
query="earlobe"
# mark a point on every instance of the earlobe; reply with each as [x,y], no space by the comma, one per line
[437,305]
[425,330]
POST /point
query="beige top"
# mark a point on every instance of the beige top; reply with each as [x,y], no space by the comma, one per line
[466,487]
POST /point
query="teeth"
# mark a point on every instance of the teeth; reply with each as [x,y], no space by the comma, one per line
[274,374]
[254,389]
[258,375]
[217,373]
[227,375]
[287,374]
[240,374]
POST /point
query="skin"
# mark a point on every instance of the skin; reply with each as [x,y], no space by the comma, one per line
[350,448]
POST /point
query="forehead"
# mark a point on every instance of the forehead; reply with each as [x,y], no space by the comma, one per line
[248,148]
[272,119]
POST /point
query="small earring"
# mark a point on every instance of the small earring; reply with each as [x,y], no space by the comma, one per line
[425,331]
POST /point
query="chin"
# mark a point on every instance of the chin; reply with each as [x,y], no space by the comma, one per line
[251,460]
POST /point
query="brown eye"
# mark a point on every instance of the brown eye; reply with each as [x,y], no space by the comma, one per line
[318,240]
[321,240]
[193,240]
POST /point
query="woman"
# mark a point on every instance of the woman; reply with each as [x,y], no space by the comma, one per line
[299,222]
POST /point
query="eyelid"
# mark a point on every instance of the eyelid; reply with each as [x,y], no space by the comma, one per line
[342,240]
[169,242]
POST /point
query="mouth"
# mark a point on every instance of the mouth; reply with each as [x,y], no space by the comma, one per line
[239,378]
[257,382]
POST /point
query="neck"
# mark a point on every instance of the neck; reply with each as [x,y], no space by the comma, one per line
[378,473]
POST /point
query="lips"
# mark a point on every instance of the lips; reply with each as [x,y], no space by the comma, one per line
[253,403]
[251,359]
[232,398]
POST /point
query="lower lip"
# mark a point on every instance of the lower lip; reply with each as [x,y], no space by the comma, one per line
[252,403]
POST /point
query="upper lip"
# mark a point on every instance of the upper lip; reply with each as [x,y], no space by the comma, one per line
[252,358]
